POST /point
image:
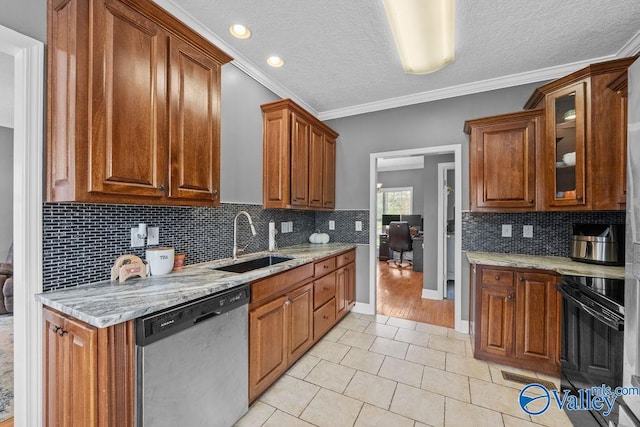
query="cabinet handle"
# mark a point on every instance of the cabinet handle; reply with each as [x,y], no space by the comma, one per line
[162,187]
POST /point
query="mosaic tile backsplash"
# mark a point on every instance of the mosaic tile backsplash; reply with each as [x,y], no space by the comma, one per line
[81,241]
[552,231]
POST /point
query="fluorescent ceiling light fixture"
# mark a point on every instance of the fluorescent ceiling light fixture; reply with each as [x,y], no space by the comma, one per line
[239,31]
[275,61]
[424,33]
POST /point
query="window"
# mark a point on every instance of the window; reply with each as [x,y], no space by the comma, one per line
[393,201]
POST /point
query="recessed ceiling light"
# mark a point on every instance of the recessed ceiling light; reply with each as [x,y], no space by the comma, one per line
[275,61]
[239,31]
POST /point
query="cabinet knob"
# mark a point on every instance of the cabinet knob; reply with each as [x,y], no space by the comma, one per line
[497,277]
[325,267]
[326,288]
[521,279]
[579,198]
[162,187]
[510,296]
[325,317]
[531,201]
[215,191]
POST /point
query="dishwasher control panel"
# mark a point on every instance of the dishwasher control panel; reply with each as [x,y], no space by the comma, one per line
[161,324]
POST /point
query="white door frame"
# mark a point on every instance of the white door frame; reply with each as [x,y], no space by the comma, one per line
[443,168]
[28,133]
[456,149]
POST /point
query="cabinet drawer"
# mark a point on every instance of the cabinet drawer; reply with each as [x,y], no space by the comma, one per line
[497,277]
[345,258]
[324,318]
[324,289]
[323,267]
[270,286]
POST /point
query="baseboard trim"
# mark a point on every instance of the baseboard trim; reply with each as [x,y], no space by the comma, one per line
[431,294]
[463,326]
[361,308]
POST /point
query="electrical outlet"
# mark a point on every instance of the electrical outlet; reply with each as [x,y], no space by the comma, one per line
[527,231]
[332,225]
[136,242]
[283,227]
[506,230]
[290,226]
[153,236]
[358,225]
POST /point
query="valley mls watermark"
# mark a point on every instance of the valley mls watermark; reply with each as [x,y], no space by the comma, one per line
[535,398]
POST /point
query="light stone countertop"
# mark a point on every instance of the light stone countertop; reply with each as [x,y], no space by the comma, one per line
[560,265]
[108,303]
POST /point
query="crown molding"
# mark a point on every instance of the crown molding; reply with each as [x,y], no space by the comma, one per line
[239,61]
[632,47]
[464,89]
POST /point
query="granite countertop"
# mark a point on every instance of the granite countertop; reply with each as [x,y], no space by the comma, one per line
[560,265]
[108,303]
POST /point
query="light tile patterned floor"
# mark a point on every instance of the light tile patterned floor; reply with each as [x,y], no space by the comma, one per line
[382,371]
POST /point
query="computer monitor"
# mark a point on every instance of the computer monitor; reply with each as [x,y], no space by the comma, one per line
[386,219]
[413,220]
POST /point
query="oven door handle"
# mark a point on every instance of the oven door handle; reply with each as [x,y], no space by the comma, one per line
[612,323]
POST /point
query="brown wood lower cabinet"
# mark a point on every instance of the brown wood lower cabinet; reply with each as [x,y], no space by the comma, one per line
[291,311]
[517,318]
[88,372]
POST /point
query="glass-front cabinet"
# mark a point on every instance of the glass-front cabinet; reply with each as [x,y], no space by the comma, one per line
[566,146]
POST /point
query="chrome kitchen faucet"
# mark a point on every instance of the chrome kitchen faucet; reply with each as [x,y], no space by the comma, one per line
[235,233]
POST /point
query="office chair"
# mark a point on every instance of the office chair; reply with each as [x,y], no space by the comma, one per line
[400,240]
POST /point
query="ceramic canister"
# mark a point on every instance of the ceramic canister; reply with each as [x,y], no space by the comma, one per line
[160,260]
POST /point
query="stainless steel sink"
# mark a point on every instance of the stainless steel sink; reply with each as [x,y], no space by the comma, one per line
[254,264]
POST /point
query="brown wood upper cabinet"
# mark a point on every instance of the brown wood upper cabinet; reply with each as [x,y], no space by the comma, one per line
[502,161]
[566,151]
[299,158]
[133,106]
[585,116]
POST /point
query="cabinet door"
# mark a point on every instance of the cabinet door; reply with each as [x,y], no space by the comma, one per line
[565,148]
[299,161]
[351,285]
[316,168]
[536,317]
[267,344]
[496,321]
[194,115]
[341,292]
[127,134]
[300,321]
[70,371]
[329,174]
[276,155]
[502,166]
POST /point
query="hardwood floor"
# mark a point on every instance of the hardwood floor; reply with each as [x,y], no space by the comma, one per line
[7,423]
[399,294]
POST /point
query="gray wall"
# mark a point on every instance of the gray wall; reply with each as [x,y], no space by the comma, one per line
[417,126]
[6,191]
[241,136]
[28,17]
[406,178]
[430,218]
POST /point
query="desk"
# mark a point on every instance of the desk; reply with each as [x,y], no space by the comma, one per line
[385,253]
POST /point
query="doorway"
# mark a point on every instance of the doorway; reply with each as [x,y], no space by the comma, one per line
[28,132]
[456,151]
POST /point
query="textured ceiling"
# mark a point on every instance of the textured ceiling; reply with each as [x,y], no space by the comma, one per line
[340,54]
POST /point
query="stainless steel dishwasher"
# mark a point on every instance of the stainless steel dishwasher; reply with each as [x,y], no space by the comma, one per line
[192,363]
